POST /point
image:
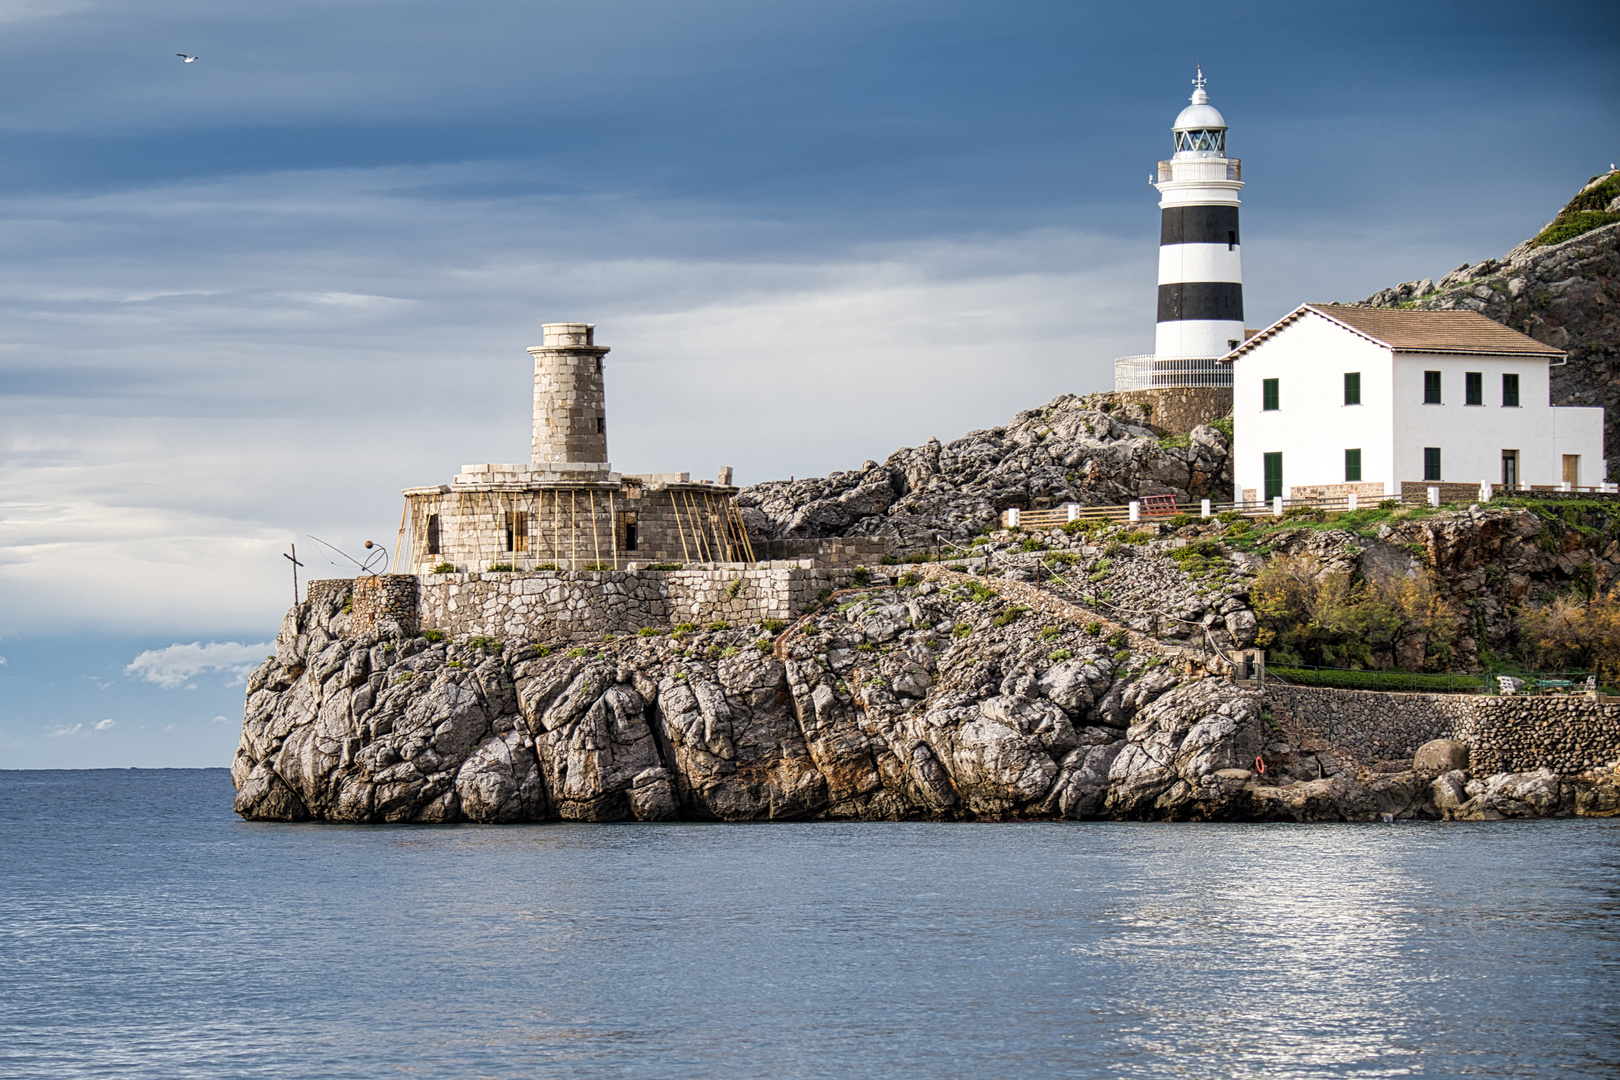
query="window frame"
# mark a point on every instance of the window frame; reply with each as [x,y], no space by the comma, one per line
[1270,395]
[1473,388]
[1510,378]
[1432,464]
[1433,384]
[1352,465]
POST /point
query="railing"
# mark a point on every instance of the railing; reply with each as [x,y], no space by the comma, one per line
[1416,682]
[1147,371]
[1233,170]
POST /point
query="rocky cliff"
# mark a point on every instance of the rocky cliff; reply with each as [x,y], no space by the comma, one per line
[993,695]
[1561,287]
[1092,450]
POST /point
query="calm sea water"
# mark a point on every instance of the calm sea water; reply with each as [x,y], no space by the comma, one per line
[147,932]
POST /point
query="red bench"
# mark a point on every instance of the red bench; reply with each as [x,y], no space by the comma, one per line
[1159,506]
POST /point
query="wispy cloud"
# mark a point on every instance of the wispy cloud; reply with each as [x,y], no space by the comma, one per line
[175,666]
[63,731]
[103,725]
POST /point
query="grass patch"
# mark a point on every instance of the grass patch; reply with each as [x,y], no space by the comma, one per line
[1010,616]
[445,568]
[434,636]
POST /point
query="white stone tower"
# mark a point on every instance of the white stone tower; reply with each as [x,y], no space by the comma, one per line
[1200,311]
[570,415]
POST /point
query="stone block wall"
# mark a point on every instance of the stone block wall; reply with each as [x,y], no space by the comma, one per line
[843,552]
[380,599]
[1180,409]
[1566,733]
[583,605]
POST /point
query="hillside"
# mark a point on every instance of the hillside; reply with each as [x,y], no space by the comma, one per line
[1561,287]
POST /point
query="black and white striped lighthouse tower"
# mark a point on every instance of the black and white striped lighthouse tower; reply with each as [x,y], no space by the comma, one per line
[1200,257]
[1200,314]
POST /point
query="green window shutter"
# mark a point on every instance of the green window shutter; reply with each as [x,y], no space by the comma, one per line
[1273,476]
[1352,466]
[1510,391]
[1352,388]
[1431,463]
[1431,388]
[1473,388]
[1268,395]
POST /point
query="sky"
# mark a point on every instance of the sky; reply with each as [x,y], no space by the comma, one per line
[244,301]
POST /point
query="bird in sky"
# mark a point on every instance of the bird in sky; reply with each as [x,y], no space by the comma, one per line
[183,56]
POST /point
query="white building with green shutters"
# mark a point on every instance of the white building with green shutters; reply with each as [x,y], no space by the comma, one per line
[1331,400]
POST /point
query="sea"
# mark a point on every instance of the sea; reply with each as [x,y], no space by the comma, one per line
[146,931]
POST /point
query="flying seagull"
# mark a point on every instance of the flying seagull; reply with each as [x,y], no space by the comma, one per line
[183,56]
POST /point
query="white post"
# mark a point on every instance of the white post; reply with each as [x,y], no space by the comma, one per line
[1434,495]
[1136,511]
[1203,509]
[1353,502]
[1276,505]
[1563,485]
[1484,491]
[1011,517]
[1073,509]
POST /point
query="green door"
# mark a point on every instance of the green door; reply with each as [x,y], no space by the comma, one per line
[1273,476]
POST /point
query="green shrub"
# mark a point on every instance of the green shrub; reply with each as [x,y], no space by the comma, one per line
[734,588]
[775,626]
[487,645]
[648,631]
[957,568]
[719,624]
[1030,543]
[1139,537]
[348,605]
[1229,517]
[500,568]
[445,568]
[865,646]
[862,577]
[576,653]
[686,628]
[665,566]
[1119,639]
[1175,442]
[961,630]
[1060,655]
[1094,629]
[1049,633]
[545,566]
[1010,616]
[1304,513]
[1224,426]
[908,580]
[729,651]
[435,636]
[1389,504]
[540,650]
[888,560]
[764,645]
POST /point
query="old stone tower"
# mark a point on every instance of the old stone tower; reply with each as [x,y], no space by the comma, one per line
[570,411]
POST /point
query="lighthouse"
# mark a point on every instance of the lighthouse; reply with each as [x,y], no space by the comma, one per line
[1200,303]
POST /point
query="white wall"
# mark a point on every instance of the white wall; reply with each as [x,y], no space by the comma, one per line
[1313,427]
[1471,438]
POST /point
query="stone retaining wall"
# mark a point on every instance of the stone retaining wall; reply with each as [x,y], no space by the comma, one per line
[383,599]
[1180,409]
[1504,734]
[584,605]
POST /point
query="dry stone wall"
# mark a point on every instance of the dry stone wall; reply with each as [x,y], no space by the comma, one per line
[1180,409]
[584,605]
[1567,734]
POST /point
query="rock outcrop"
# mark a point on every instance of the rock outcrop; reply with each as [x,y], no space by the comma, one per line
[1091,450]
[1566,294]
[951,698]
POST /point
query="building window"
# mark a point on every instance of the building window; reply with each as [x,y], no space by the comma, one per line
[1431,388]
[1352,388]
[629,530]
[1268,395]
[1352,466]
[1510,468]
[515,534]
[433,534]
[1473,388]
[1510,391]
[1273,476]
[601,425]
[1231,239]
[1431,463]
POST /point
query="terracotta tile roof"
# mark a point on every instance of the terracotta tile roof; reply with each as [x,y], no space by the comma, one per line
[1419,331]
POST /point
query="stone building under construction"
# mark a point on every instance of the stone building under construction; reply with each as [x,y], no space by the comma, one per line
[565,508]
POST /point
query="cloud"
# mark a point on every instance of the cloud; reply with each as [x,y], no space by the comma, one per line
[175,666]
[64,731]
[103,725]
[2,661]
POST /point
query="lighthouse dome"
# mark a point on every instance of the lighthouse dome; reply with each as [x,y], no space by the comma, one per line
[1200,117]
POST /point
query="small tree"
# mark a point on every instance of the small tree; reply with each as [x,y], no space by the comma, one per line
[1312,615]
[1575,632]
